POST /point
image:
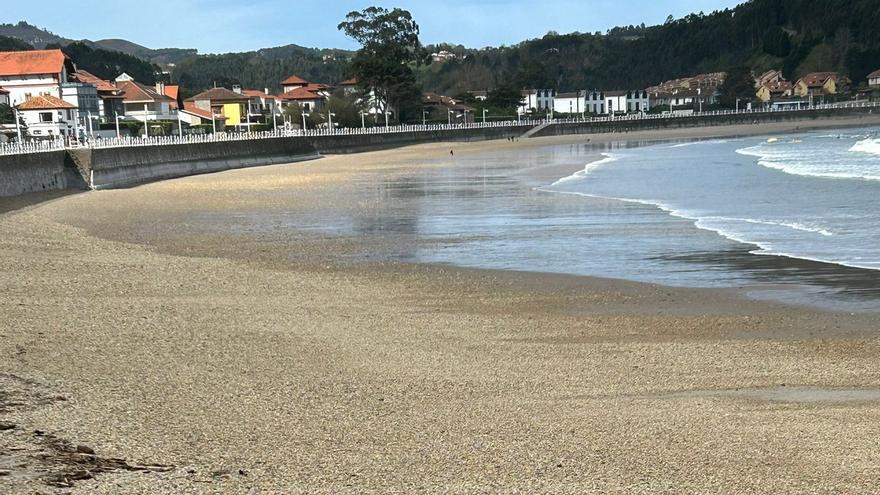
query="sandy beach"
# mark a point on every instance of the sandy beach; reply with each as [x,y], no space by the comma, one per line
[146,349]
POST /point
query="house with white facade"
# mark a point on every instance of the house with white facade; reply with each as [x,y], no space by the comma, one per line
[33,73]
[4,97]
[47,116]
[570,103]
[874,79]
[109,96]
[85,98]
[144,103]
[617,102]
[537,100]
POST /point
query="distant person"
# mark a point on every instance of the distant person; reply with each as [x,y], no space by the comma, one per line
[451,153]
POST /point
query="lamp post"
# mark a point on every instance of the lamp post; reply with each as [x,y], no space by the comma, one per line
[386,118]
[484,116]
[424,117]
[117,127]
[330,116]
[363,121]
[449,117]
[304,115]
[179,124]
[274,119]
[17,126]
[146,122]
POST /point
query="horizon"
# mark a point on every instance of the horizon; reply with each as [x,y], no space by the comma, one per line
[481,24]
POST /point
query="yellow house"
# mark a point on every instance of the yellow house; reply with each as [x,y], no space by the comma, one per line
[232,106]
[817,84]
[773,90]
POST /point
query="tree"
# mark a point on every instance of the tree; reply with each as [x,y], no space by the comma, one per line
[294,114]
[505,96]
[346,108]
[739,84]
[389,47]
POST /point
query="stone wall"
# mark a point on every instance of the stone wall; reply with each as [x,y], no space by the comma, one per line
[33,172]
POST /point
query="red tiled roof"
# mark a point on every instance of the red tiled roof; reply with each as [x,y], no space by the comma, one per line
[89,78]
[45,102]
[779,87]
[190,107]
[256,93]
[349,82]
[172,90]
[818,79]
[219,94]
[292,80]
[133,92]
[31,62]
[874,74]
[301,94]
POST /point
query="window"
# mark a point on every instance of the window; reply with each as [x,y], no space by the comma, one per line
[637,106]
[45,116]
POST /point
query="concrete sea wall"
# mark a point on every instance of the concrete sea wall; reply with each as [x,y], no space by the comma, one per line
[563,129]
[36,172]
[120,167]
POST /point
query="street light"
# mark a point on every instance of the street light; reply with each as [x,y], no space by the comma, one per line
[484,116]
[304,115]
[146,122]
[424,117]
[17,125]
[330,116]
[179,124]
[117,127]
[449,117]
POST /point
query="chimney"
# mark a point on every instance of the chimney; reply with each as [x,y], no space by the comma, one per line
[266,90]
[160,88]
[236,88]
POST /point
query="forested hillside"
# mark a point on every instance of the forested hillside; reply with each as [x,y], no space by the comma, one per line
[263,68]
[798,36]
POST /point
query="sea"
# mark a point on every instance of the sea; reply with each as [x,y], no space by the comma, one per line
[793,217]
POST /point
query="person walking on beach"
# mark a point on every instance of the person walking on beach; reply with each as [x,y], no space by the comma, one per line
[451,152]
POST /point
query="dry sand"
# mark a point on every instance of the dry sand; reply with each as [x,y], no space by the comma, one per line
[194,362]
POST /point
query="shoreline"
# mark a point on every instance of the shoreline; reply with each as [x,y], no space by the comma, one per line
[154,324]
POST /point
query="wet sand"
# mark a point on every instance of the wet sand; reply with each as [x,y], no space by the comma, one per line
[235,361]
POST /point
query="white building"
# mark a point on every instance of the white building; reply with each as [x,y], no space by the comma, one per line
[537,100]
[570,103]
[33,73]
[874,79]
[85,98]
[4,97]
[144,103]
[47,116]
[617,102]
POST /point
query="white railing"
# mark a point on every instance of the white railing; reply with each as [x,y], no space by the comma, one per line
[15,148]
[96,143]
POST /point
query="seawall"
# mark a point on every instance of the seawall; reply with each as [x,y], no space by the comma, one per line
[563,129]
[119,167]
[37,172]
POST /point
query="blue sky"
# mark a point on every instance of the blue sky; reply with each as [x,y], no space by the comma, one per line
[216,26]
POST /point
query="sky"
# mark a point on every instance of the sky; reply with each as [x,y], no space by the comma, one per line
[219,26]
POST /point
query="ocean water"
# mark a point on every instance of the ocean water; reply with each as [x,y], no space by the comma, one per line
[793,217]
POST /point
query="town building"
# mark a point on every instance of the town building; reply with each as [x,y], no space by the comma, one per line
[349,86]
[817,84]
[231,105]
[27,74]
[84,97]
[195,116]
[144,103]
[771,91]
[441,107]
[874,79]
[769,77]
[109,96]
[4,97]
[262,104]
[479,95]
[537,100]
[443,56]
[293,82]
[48,117]
[570,103]
[616,102]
